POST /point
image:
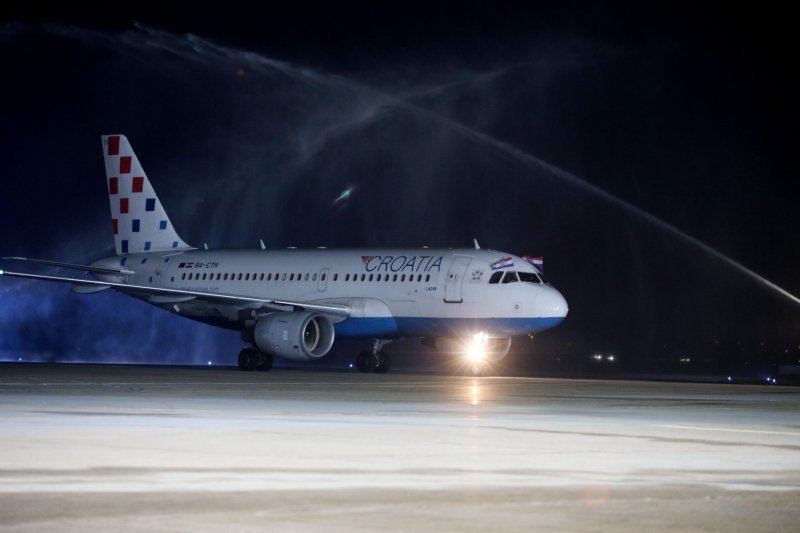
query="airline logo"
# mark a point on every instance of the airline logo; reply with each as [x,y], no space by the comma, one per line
[506,262]
[402,263]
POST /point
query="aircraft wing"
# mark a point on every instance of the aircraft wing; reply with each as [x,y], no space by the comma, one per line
[157,294]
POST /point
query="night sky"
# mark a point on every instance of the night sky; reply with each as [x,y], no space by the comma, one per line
[250,122]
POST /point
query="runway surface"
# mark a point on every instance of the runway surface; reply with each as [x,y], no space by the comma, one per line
[143,448]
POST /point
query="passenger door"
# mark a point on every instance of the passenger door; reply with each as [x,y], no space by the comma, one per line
[455,277]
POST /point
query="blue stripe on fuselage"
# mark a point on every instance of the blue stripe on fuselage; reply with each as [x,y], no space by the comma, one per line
[389,327]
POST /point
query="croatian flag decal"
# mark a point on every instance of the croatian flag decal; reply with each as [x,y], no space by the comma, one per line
[505,262]
[538,262]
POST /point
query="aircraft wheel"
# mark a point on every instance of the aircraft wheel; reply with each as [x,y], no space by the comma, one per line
[383,363]
[365,362]
[264,362]
[248,359]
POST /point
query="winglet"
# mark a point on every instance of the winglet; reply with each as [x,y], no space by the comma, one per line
[263,246]
[477,246]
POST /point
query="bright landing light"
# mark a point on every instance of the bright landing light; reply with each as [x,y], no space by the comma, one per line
[477,348]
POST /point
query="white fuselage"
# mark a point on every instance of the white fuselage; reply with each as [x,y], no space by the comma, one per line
[391,292]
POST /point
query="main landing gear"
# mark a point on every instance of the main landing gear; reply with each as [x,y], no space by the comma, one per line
[252,359]
[376,361]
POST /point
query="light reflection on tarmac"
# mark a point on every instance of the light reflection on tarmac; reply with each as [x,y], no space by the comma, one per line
[181,448]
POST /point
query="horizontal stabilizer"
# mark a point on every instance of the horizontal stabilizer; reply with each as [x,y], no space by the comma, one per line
[74,266]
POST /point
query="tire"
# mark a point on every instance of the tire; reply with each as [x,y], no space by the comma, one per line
[264,362]
[365,362]
[383,364]
[248,359]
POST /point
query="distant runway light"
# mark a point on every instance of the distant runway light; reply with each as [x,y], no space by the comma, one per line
[209,362]
[351,365]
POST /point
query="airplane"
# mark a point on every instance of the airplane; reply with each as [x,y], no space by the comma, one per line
[293,303]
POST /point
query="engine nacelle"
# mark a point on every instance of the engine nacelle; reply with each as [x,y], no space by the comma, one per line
[495,349]
[294,335]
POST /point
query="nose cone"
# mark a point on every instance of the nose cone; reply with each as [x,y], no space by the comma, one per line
[551,304]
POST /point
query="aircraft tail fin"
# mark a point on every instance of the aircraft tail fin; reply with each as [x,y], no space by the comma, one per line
[138,219]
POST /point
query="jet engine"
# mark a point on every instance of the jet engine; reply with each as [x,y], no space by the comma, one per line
[294,335]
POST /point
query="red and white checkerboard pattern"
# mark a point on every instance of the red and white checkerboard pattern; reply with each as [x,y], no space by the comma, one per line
[138,219]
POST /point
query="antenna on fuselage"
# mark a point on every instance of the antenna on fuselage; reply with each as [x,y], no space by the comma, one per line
[477,246]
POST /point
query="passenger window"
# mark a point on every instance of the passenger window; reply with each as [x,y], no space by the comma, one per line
[363,277]
[291,276]
[305,278]
[261,277]
[347,277]
[324,276]
[394,278]
[496,277]
[314,277]
[239,277]
[371,276]
[218,276]
[335,277]
[183,276]
[379,277]
[247,276]
[419,278]
[510,277]
[283,276]
[427,278]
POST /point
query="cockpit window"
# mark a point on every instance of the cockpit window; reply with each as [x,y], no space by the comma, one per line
[510,277]
[529,277]
[496,277]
